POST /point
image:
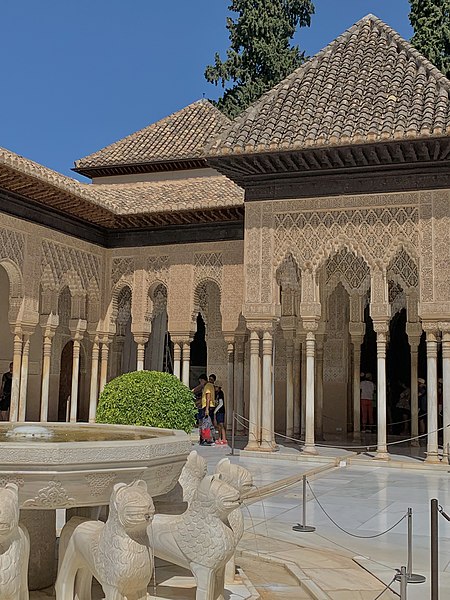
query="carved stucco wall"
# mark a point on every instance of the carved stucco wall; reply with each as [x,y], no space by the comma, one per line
[374,228]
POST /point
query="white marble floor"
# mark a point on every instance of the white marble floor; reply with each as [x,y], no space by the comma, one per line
[365,501]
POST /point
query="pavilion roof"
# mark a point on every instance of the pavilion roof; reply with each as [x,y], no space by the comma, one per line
[179,138]
[367,86]
[115,206]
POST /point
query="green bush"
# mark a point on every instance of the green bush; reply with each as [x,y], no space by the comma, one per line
[147,398]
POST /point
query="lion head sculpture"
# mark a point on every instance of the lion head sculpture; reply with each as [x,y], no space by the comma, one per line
[236,476]
[217,496]
[132,505]
[192,474]
[9,509]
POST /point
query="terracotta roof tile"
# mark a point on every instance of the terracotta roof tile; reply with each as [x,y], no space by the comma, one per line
[170,195]
[182,135]
[190,193]
[368,85]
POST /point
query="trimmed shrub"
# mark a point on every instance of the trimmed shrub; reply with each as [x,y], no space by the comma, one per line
[147,398]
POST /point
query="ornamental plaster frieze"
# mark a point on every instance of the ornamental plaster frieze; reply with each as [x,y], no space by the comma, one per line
[64,259]
[372,234]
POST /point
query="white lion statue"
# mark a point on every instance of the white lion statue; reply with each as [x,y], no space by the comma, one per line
[242,480]
[116,553]
[200,539]
[192,474]
[14,547]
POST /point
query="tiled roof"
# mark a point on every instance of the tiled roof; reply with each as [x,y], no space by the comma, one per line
[368,85]
[101,204]
[194,193]
[180,136]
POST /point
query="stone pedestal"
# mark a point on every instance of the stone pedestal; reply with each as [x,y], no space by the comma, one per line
[41,525]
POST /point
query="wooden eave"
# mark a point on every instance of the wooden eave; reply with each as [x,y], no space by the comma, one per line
[260,169]
[144,167]
[52,197]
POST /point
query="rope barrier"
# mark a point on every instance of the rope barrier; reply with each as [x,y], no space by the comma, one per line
[240,418]
[388,587]
[366,537]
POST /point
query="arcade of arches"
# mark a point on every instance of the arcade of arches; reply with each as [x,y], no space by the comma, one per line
[324,293]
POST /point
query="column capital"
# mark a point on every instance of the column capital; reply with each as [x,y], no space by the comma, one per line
[260,326]
[381,327]
[77,328]
[413,331]
[310,326]
[356,330]
[444,327]
[182,338]
[49,324]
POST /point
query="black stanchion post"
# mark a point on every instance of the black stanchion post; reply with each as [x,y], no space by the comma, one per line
[303,526]
[410,576]
[403,584]
[434,550]
[233,430]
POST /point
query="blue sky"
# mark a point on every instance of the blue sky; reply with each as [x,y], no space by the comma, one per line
[77,76]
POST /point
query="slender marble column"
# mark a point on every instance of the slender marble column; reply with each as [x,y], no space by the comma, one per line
[303,391]
[140,353]
[254,433]
[414,392]
[24,377]
[267,420]
[17,361]
[289,387]
[104,364]
[177,359]
[432,399]
[93,396]
[45,389]
[230,397]
[318,419]
[381,329]
[186,362]
[446,393]
[239,384]
[297,391]
[357,387]
[75,378]
[309,447]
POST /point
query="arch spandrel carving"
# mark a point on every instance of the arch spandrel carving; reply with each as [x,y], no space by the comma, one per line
[347,268]
[372,233]
[403,270]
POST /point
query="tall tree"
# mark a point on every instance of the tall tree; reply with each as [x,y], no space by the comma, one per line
[260,53]
[430,20]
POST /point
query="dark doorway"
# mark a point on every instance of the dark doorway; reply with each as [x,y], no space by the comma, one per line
[65,381]
[199,353]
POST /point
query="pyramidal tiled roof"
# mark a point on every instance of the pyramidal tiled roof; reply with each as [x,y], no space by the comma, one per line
[180,136]
[368,85]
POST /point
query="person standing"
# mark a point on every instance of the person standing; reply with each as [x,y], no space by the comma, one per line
[219,415]
[5,394]
[208,395]
[367,388]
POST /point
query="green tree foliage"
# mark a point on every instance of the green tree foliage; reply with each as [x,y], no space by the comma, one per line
[147,398]
[260,53]
[430,20]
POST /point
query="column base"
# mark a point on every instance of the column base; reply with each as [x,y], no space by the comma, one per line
[357,436]
[310,449]
[267,446]
[382,455]
[252,446]
[433,458]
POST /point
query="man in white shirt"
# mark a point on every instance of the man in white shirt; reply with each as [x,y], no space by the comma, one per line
[367,388]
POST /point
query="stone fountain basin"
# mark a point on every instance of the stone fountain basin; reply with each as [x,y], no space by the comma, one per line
[80,463]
